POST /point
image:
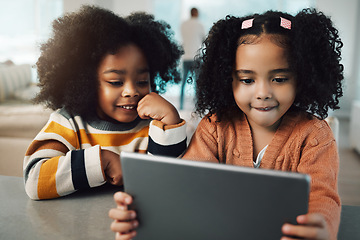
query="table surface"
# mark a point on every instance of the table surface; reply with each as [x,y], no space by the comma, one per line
[84,215]
[81,215]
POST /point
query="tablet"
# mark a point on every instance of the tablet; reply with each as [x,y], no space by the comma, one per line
[183,199]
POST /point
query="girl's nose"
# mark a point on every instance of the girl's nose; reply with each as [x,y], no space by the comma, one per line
[263,91]
[130,90]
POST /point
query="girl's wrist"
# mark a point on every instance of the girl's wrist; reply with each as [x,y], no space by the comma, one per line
[171,120]
[172,117]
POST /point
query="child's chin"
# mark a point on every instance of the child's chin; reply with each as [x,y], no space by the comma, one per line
[126,119]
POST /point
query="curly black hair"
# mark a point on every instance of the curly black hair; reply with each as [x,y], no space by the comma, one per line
[314,50]
[67,66]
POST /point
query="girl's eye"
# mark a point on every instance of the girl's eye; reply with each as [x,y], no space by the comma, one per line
[116,83]
[280,80]
[247,81]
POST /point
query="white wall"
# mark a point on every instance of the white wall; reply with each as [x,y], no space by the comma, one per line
[125,7]
[345,16]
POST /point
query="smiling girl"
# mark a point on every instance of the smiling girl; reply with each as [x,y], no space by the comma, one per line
[100,73]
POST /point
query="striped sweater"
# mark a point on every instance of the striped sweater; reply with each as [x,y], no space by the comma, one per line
[65,155]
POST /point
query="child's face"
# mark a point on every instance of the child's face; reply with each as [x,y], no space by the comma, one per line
[263,86]
[124,79]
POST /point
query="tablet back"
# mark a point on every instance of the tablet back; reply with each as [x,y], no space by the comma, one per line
[181,199]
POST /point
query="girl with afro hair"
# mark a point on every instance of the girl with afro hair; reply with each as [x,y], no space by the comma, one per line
[100,73]
[266,82]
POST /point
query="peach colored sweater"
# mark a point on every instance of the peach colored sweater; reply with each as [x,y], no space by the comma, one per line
[302,143]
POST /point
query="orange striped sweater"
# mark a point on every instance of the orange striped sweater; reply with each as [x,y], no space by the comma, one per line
[65,155]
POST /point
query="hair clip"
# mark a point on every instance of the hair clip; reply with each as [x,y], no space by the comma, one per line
[285,23]
[247,23]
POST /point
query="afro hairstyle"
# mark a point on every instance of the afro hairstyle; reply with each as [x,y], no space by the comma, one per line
[314,50]
[67,66]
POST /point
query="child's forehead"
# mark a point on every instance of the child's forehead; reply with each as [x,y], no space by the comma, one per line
[260,53]
[278,39]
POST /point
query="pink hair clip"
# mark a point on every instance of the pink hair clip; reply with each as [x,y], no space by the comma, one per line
[247,23]
[285,23]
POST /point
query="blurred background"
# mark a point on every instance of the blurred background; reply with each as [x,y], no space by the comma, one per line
[24,24]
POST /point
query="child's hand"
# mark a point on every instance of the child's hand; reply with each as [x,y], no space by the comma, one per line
[156,107]
[110,163]
[124,219]
[311,226]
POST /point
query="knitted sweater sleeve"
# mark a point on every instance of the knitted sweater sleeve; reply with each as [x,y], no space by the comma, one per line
[204,143]
[168,140]
[53,164]
[320,160]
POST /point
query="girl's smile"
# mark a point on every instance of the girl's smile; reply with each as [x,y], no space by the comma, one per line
[265,108]
[128,107]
